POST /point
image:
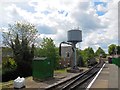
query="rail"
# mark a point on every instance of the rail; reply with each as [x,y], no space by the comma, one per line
[79,81]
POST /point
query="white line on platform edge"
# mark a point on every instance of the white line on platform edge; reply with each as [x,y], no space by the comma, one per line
[95,77]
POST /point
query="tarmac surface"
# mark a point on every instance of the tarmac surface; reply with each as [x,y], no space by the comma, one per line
[30,83]
[107,79]
[58,77]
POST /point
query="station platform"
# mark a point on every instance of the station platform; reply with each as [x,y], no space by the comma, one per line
[107,79]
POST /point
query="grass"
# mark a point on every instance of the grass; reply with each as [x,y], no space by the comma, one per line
[0,74]
[6,84]
[61,71]
[0,86]
[0,69]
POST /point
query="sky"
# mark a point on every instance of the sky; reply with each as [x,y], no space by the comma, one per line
[98,19]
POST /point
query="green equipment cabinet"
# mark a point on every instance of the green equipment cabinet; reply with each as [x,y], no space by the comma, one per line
[116,61]
[43,68]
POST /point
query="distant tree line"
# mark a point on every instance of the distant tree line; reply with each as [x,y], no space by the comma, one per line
[114,49]
[88,53]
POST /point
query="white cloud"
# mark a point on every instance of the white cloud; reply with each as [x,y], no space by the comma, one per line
[102,0]
[4,29]
[101,8]
[62,15]
[6,1]
[109,34]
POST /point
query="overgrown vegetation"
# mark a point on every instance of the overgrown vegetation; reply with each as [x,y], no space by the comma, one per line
[8,65]
[20,38]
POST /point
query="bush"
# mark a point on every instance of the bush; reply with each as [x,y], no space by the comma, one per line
[11,70]
[24,68]
[8,64]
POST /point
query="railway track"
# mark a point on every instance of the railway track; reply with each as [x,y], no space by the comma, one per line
[81,81]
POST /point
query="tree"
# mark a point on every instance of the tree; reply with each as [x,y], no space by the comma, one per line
[80,61]
[100,51]
[57,58]
[111,49]
[48,49]
[87,54]
[20,38]
[118,49]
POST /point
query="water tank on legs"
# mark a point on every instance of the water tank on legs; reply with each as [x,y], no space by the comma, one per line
[74,36]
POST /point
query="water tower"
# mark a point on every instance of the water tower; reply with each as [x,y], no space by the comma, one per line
[74,36]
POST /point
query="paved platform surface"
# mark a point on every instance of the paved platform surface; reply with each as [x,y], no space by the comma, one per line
[58,77]
[30,83]
[108,78]
[113,76]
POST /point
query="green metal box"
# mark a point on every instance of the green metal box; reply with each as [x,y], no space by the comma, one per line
[42,68]
[116,61]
